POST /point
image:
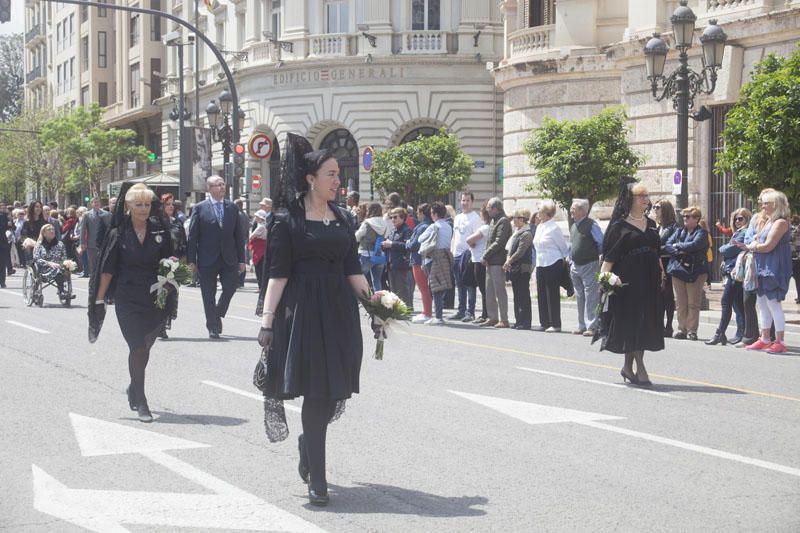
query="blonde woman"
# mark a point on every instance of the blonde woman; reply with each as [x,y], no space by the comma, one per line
[772,250]
[48,255]
[551,249]
[127,268]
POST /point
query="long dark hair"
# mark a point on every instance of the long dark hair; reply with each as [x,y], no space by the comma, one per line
[668,217]
[31,208]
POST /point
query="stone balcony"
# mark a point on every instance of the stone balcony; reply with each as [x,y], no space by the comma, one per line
[730,9]
[424,42]
[531,41]
[330,45]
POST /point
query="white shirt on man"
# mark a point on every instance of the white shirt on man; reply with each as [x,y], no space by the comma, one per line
[464,225]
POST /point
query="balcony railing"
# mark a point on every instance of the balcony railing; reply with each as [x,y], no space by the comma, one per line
[34,73]
[424,42]
[262,52]
[332,44]
[32,33]
[531,40]
[722,5]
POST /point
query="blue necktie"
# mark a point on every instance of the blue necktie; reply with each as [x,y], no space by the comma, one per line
[220,213]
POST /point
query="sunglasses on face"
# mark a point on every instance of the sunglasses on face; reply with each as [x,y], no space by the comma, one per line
[738,219]
[688,216]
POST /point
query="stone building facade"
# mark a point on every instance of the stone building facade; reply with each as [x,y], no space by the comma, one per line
[350,74]
[569,59]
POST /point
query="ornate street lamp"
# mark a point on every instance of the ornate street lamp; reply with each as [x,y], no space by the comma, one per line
[219,120]
[683,84]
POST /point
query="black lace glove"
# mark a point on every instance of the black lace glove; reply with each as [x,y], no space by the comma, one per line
[265,337]
[100,311]
[376,327]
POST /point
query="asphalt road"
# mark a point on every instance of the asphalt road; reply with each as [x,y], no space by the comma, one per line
[457,429]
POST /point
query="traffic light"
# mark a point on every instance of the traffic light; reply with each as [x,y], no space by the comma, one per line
[151,156]
[86,199]
[5,10]
[238,160]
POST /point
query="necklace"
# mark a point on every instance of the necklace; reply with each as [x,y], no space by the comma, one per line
[140,234]
[325,219]
[640,219]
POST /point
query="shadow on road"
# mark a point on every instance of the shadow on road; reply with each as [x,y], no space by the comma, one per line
[361,499]
[694,388]
[223,338]
[162,417]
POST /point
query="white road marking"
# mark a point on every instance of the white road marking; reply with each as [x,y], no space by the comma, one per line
[256,320]
[229,507]
[246,394]
[538,414]
[26,326]
[597,382]
[9,291]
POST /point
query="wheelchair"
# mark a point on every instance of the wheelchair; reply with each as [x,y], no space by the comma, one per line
[33,285]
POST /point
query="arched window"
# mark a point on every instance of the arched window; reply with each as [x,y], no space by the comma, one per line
[345,150]
[425,14]
[413,135]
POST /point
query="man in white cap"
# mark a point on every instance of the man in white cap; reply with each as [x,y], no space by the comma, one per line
[266,205]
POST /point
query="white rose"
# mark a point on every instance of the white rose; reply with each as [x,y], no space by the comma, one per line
[614,280]
[388,300]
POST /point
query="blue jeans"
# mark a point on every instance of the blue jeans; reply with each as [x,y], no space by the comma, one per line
[732,300]
[467,296]
[372,272]
[438,303]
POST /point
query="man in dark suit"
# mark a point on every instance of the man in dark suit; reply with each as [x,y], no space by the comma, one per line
[5,247]
[216,250]
[93,227]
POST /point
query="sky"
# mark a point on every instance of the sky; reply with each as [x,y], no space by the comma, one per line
[17,24]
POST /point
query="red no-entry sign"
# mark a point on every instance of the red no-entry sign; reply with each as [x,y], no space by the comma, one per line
[256,182]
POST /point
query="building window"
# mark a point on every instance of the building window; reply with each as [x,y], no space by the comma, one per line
[71,29]
[71,73]
[275,25]
[540,12]
[102,94]
[58,79]
[58,37]
[84,13]
[134,30]
[220,30]
[240,31]
[84,96]
[345,149]
[425,14]
[155,79]
[102,50]
[155,22]
[135,86]
[337,16]
[84,53]
[102,11]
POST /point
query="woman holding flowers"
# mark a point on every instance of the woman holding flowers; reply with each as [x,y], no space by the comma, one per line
[310,328]
[49,256]
[129,267]
[633,320]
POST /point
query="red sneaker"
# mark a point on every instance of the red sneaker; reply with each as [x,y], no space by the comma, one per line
[777,347]
[760,345]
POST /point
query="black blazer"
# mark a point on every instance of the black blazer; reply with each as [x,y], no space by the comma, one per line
[208,242]
[4,225]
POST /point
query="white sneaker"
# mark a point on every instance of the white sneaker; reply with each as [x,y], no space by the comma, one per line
[435,322]
[420,319]
[552,329]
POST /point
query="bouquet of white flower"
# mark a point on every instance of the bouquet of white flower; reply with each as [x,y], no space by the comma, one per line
[609,283]
[69,265]
[173,272]
[385,308]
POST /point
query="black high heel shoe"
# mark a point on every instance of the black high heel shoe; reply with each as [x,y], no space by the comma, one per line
[318,498]
[718,338]
[144,413]
[628,377]
[131,399]
[302,466]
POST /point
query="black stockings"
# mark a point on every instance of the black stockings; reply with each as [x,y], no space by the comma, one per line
[316,415]
[137,362]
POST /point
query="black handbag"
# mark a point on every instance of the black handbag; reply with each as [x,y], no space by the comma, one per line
[682,267]
[566,279]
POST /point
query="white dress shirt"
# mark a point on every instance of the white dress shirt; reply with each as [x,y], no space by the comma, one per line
[549,243]
[464,225]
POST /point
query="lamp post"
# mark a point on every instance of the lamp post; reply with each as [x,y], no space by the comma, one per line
[219,120]
[683,84]
[179,115]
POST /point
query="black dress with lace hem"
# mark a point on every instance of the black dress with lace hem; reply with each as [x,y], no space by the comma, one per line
[316,350]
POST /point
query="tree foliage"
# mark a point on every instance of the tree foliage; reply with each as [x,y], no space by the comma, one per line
[433,165]
[12,76]
[25,161]
[762,131]
[89,148]
[581,158]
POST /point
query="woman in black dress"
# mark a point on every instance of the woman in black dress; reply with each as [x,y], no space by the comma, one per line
[128,267]
[667,225]
[178,235]
[634,321]
[310,323]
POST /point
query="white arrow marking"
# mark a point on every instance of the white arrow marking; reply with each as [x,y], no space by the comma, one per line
[541,414]
[107,510]
[26,326]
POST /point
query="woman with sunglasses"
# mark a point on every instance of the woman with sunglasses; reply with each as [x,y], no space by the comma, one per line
[688,265]
[667,225]
[773,261]
[732,294]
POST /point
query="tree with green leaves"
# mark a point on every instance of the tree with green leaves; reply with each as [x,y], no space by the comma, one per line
[12,76]
[581,158]
[762,131]
[432,165]
[89,148]
[24,161]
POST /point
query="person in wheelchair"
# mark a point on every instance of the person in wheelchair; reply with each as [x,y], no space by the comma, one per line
[48,259]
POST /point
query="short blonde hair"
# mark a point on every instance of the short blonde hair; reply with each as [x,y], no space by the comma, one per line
[45,228]
[522,213]
[398,211]
[639,188]
[548,207]
[693,211]
[139,193]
